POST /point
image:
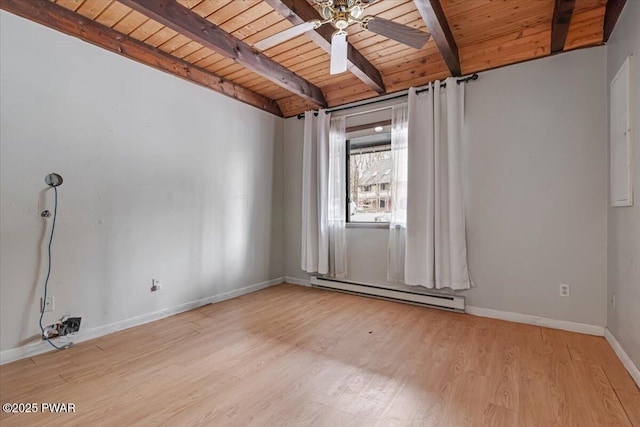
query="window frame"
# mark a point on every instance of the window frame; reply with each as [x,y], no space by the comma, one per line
[348,222]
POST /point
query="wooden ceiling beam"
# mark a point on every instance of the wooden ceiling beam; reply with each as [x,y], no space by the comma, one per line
[58,18]
[562,13]
[300,11]
[611,15]
[373,125]
[183,20]
[433,15]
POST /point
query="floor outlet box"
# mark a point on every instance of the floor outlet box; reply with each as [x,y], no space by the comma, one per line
[70,326]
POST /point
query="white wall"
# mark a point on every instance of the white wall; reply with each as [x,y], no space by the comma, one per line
[624,222]
[536,191]
[163,179]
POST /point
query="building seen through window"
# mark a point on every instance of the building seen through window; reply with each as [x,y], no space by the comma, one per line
[369,178]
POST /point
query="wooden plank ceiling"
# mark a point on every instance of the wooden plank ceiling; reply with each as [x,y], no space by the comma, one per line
[468,36]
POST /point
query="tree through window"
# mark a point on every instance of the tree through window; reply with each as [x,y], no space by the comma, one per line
[369,180]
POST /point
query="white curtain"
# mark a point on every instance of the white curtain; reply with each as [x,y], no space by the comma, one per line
[398,222]
[309,237]
[324,196]
[435,253]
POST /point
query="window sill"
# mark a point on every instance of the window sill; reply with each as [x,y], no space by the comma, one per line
[367,225]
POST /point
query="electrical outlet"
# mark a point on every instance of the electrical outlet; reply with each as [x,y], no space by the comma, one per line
[613,301]
[47,305]
[155,285]
[565,290]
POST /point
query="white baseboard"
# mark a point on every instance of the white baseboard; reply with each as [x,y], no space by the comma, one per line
[39,347]
[565,325]
[623,356]
[296,281]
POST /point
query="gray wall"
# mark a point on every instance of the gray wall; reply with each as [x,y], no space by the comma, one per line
[536,191]
[624,222]
[163,179]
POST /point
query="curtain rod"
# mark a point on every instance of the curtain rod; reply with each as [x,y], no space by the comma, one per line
[474,76]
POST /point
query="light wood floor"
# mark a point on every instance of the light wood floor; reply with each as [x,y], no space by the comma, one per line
[297,356]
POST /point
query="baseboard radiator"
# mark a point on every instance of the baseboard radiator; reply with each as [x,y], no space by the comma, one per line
[442,302]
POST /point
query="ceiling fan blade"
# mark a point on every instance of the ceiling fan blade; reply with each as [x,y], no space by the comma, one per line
[367,3]
[285,35]
[338,53]
[398,32]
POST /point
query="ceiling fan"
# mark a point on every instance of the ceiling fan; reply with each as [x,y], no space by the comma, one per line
[340,14]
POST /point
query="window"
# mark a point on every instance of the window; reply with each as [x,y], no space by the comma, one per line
[369,178]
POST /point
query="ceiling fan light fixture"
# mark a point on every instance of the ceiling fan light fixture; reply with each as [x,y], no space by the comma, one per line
[326,12]
[341,24]
[340,14]
[356,11]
